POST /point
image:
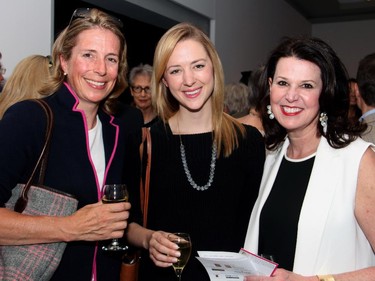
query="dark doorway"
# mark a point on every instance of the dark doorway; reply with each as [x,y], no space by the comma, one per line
[141,37]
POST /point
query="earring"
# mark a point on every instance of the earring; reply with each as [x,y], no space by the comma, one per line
[323,121]
[269,112]
[65,73]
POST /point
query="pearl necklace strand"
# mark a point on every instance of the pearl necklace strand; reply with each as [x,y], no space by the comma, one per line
[186,167]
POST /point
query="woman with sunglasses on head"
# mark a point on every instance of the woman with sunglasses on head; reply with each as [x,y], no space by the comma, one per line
[140,89]
[89,148]
[206,166]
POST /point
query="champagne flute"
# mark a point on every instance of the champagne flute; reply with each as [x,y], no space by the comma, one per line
[184,243]
[115,193]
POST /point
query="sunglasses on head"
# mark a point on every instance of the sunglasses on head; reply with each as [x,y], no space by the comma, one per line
[85,12]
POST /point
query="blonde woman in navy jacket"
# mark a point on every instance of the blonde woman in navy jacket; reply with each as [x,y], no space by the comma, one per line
[89,148]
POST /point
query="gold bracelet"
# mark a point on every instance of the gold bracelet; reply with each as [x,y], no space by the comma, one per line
[326,278]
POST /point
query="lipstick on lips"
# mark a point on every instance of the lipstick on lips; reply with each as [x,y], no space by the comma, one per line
[290,110]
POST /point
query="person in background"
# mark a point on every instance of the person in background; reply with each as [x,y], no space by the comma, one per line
[2,73]
[315,214]
[206,166]
[89,147]
[236,99]
[140,80]
[354,111]
[253,118]
[366,95]
[26,81]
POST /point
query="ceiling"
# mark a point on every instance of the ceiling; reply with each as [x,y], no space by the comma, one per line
[324,11]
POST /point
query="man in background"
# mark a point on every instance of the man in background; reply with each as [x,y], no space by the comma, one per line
[366,97]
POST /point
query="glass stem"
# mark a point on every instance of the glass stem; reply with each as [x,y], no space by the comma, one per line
[179,273]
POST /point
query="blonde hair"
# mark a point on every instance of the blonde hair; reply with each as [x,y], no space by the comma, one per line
[26,81]
[67,39]
[225,128]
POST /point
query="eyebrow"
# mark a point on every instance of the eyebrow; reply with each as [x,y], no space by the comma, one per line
[304,81]
[193,62]
[204,59]
[95,51]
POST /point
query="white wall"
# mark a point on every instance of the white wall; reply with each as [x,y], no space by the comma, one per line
[26,29]
[351,40]
[247,30]
[244,31]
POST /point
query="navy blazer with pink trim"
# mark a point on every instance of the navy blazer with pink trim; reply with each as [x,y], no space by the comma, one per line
[69,166]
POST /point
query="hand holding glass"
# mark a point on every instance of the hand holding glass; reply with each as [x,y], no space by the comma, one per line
[115,193]
[184,243]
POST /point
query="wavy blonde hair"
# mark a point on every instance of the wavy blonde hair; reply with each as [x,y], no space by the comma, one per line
[26,81]
[225,128]
[67,39]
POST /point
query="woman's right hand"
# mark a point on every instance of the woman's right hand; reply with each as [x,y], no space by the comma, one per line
[97,222]
[162,251]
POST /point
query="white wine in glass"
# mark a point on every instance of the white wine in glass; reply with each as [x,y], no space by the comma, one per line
[115,193]
[184,244]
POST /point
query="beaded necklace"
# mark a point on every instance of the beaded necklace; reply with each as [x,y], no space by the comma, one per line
[186,167]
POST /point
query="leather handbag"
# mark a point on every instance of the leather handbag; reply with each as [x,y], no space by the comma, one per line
[131,260]
[36,261]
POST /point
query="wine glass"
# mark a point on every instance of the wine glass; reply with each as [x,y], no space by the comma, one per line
[115,193]
[184,244]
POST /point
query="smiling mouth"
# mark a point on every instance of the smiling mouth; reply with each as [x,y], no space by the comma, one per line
[95,83]
[291,110]
[192,93]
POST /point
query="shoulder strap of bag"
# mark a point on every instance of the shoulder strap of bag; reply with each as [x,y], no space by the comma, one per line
[42,161]
[145,186]
[45,150]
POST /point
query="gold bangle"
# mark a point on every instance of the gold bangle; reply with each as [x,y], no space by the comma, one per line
[326,278]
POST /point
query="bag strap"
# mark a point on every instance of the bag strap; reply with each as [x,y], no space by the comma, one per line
[145,185]
[42,161]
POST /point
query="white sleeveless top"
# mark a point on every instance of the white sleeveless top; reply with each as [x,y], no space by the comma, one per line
[329,238]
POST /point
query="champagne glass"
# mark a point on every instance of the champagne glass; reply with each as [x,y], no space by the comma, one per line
[184,243]
[115,193]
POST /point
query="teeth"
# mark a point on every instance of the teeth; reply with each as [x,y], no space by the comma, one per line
[96,83]
[291,109]
[192,93]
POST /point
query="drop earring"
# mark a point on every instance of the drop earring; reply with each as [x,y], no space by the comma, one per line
[323,121]
[269,112]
